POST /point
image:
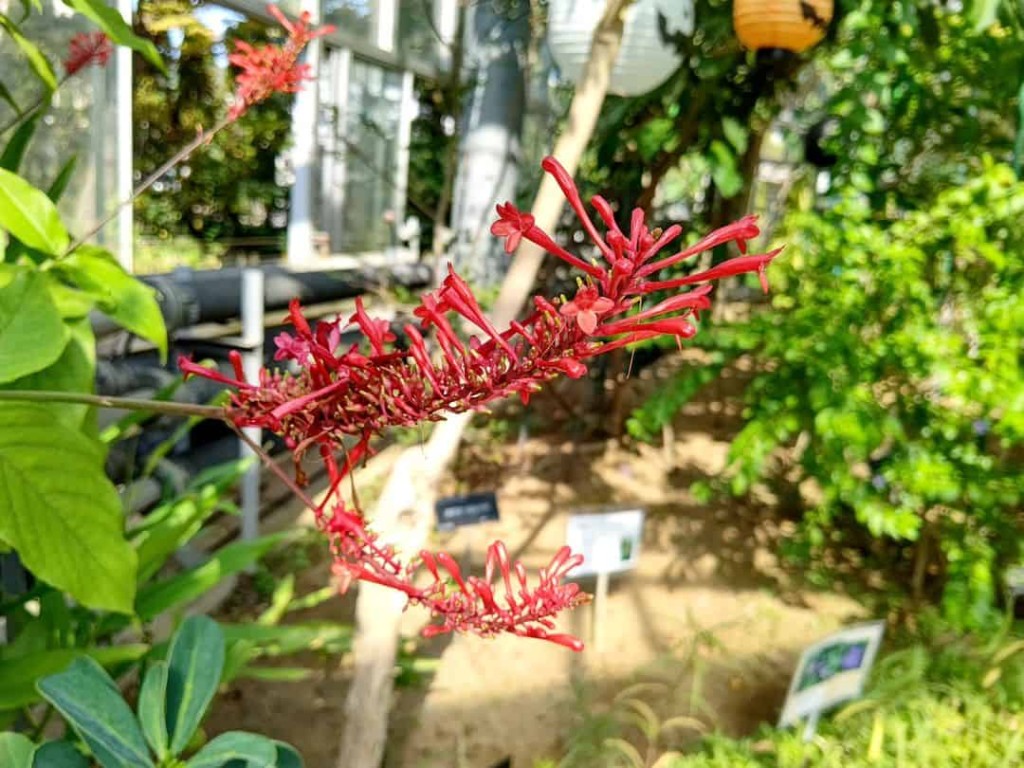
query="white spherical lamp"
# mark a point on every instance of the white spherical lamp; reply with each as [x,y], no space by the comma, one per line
[645,59]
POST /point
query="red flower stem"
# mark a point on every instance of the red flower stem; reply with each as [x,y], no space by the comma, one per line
[178,157]
[270,464]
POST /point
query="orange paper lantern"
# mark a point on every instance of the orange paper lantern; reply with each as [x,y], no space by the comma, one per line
[792,25]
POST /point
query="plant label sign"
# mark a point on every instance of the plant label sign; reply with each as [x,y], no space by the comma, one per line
[608,541]
[456,511]
[832,671]
[1014,579]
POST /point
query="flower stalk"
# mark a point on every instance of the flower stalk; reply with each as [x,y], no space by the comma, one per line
[333,394]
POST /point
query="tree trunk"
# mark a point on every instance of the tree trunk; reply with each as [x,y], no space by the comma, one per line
[404,513]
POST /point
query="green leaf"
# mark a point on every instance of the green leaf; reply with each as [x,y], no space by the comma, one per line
[287,756]
[39,63]
[724,170]
[60,183]
[110,21]
[984,13]
[183,588]
[16,750]
[71,303]
[17,145]
[235,745]
[6,95]
[194,665]
[291,638]
[59,510]
[152,714]
[29,215]
[735,134]
[18,674]
[275,674]
[32,335]
[74,371]
[178,521]
[90,701]
[130,302]
[59,754]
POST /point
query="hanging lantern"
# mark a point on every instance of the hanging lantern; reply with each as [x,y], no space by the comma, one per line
[646,59]
[788,25]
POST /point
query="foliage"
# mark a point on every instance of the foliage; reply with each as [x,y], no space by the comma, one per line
[940,700]
[919,95]
[49,631]
[49,282]
[97,580]
[230,190]
[936,703]
[889,386]
[173,698]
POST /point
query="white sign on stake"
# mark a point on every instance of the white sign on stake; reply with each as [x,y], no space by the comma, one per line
[608,541]
[831,671]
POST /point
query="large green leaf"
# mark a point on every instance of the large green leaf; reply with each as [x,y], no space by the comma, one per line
[18,674]
[152,712]
[17,145]
[194,665]
[185,587]
[16,750]
[109,20]
[40,65]
[32,335]
[128,301]
[90,701]
[235,745]
[59,510]
[59,754]
[74,371]
[29,215]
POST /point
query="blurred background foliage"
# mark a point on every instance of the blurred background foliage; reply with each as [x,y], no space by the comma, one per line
[232,190]
[887,390]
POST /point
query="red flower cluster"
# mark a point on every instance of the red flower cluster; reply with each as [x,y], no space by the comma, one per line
[359,391]
[86,49]
[464,604]
[270,69]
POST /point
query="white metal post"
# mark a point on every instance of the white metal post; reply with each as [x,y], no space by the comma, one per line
[406,115]
[252,361]
[304,119]
[123,131]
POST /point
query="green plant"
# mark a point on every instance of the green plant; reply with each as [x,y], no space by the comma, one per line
[48,630]
[172,701]
[888,389]
[940,701]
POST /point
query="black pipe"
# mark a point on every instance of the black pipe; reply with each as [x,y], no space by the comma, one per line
[189,297]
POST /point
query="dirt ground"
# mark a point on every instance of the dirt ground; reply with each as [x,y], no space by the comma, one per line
[709,613]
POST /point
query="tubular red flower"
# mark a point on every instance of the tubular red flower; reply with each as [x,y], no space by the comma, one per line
[270,69]
[86,49]
[339,401]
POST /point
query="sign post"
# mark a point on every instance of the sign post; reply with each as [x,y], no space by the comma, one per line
[609,543]
[831,671]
